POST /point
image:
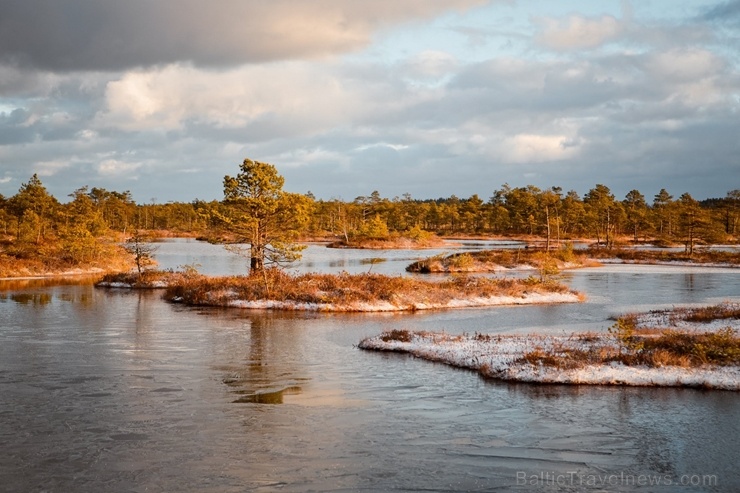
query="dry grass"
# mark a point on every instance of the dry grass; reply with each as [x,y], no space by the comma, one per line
[400,335]
[565,257]
[51,260]
[393,243]
[707,314]
[347,289]
[652,346]
[492,260]
[700,256]
[150,278]
[672,348]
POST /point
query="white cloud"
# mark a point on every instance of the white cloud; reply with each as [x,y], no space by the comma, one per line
[305,157]
[684,64]
[578,32]
[531,148]
[395,147]
[294,94]
[51,168]
[432,64]
[115,167]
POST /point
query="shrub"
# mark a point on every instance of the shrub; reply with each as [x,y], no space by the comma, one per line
[624,332]
[419,235]
[396,335]
[460,262]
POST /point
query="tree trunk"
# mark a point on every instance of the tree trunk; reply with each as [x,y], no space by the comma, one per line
[547,218]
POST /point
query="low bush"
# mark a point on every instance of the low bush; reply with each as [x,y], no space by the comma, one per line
[547,263]
[716,312]
[396,335]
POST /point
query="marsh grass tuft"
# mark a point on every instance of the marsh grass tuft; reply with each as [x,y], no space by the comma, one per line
[151,278]
[346,290]
[716,312]
[547,263]
[400,335]
[653,347]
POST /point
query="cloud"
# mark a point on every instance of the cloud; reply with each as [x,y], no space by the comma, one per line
[432,65]
[527,148]
[724,12]
[385,145]
[577,32]
[115,35]
[288,97]
[115,167]
[684,64]
[656,109]
[51,168]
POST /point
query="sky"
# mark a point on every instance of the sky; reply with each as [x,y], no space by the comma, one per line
[431,98]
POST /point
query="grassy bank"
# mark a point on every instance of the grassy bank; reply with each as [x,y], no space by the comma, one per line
[398,243]
[565,258]
[148,279]
[683,347]
[496,260]
[698,257]
[51,266]
[359,292]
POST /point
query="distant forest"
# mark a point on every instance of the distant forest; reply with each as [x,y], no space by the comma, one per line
[35,224]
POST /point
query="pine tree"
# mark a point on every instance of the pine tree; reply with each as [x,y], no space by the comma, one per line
[262,215]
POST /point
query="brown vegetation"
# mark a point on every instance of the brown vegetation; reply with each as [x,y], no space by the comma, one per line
[548,263]
[564,258]
[669,348]
[393,242]
[49,261]
[655,347]
[699,256]
[147,279]
[634,340]
[348,291]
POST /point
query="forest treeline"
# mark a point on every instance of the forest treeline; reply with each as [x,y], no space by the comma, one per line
[87,228]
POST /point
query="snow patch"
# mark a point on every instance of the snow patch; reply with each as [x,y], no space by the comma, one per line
[501,357]
[387,306]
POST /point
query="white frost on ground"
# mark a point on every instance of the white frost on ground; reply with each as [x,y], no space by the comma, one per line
[675,319]
[501,357]
[128,285]
[107,284]
[387,306]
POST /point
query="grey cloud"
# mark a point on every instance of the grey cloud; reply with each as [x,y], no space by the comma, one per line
[12,130]
[115,35]
[724,12]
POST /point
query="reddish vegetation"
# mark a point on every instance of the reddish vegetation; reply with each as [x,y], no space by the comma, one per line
[346,290]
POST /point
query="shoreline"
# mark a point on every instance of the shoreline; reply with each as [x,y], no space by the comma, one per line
[385,306]
[502,260]
[278,290]
[501,358]
[64,274]
[666,263]
[678,347]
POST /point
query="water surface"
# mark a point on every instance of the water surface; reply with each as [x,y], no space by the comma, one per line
[111,390]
